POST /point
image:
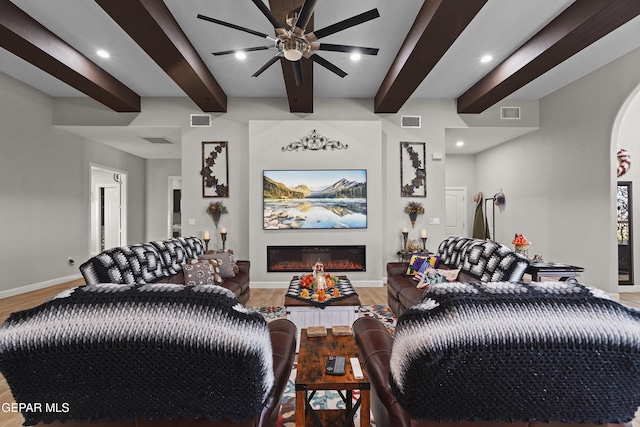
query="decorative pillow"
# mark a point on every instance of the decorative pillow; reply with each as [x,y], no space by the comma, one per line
[198,273]
[215,267]
[433,276]
[420,272]
[226,266]
[416,262]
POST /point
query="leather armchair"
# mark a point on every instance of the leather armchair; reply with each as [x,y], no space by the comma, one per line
[375,344]
[283,340]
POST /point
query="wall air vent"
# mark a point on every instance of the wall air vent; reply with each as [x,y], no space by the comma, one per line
[200,120]
[158,140]
[510,113]
[410,121]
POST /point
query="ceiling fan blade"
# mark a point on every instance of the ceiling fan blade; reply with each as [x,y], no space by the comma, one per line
[343,25]
[305,13]
[328,65]
[249,49]
[348,49]
[267,65]
[234,26]
[297,72]
[266,12]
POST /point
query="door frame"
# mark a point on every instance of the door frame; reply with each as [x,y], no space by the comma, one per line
[173,181]
[94,201]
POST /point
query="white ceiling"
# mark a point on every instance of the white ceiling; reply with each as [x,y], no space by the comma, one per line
[499,28]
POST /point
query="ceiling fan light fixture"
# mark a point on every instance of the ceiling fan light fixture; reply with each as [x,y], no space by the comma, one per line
[293,49]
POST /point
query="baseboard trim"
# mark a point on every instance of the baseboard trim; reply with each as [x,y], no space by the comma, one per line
[36,286]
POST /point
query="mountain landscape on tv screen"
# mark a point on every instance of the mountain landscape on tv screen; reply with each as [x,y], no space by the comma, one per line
[341,204]
[343,188]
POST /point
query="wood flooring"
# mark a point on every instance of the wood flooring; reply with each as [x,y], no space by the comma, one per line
[259,297]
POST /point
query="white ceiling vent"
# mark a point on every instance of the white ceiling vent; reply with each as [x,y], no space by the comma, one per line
[158,140]
[410,121]
[200,120]
[510,113]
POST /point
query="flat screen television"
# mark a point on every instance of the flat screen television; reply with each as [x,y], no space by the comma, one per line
[314,199]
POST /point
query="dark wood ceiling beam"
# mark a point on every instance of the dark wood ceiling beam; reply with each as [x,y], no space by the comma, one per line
[150,24]
[437,26]
[581,24]
[300,97]
[31,41]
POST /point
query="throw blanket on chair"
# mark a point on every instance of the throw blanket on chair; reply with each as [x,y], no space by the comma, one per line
[115,352]
[506,351]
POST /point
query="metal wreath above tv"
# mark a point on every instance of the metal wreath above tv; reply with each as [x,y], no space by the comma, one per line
[314,199]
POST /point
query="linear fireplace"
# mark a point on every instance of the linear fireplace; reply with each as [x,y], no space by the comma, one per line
[302,258]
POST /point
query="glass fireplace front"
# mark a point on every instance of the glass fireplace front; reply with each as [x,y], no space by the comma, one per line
[302,258]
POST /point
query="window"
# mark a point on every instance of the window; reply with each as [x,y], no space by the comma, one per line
[625,234]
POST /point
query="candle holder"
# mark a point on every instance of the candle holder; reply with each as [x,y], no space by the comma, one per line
[206,244]
[224,240]
[405,235]
[424,244]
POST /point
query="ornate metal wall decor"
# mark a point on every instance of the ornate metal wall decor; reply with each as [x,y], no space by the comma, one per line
[315,142]
[215,172]
[413,174]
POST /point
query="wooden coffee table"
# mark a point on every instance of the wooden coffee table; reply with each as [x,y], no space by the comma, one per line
[310,377]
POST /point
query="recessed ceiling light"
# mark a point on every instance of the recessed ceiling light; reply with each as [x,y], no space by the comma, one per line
[103,53]
[355,56]
[241,55]
[459,143]
[486,58]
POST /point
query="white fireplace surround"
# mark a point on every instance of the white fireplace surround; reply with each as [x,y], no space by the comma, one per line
[364,141]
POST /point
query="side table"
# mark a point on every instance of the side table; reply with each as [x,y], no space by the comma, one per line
[311,377]
[562,272]
[405,256]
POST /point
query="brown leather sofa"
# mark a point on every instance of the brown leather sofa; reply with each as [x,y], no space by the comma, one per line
[158,262]
[375,344]
[478,260]
[283,340]
[239,284]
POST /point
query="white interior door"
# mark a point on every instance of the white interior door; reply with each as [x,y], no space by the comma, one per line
[112,227]
[456,211]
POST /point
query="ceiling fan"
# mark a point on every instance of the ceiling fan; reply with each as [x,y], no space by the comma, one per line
[293,44]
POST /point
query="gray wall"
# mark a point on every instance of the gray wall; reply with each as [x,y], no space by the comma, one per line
[628,138]
[559,181]
[244,159]
[44,191]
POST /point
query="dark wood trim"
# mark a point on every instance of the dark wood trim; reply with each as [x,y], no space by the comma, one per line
[151,25]
[300,97]
[581,24]
[435,29]
[27,38]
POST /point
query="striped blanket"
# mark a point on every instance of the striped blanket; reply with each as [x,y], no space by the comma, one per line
[507,351]
[113,352]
